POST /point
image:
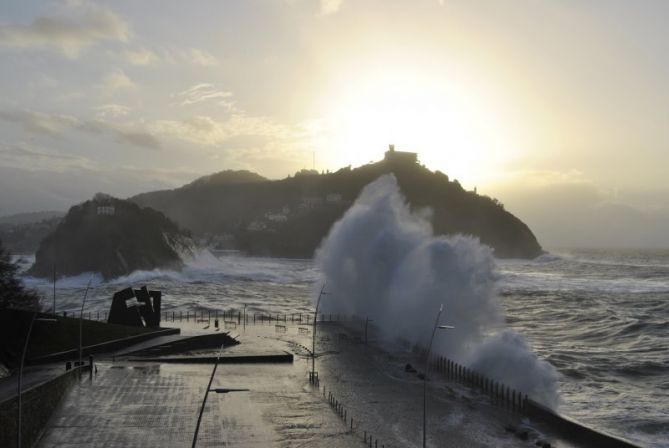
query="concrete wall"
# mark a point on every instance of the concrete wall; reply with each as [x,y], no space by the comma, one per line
[38,403]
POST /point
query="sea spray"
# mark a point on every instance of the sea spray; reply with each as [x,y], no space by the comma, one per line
[382,261]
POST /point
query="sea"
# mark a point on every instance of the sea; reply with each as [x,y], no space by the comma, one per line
[601,317]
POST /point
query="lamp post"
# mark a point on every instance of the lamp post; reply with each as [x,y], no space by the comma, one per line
[81,318]
[23,361]
[206,394]
[313,343]
[54,286]
[427,368]
[367,321]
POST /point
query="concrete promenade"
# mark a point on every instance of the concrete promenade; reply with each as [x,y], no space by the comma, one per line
[147,404]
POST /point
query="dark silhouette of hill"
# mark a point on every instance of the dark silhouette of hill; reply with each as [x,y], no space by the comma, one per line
[23,236]
[30,218]
[113,237]
[226,177]
[290,217]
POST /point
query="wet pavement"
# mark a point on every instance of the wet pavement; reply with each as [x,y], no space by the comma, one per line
[141,404]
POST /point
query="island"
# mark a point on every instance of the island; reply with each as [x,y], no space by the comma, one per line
[113,237]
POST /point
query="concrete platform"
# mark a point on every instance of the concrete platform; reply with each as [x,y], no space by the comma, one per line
[139,404]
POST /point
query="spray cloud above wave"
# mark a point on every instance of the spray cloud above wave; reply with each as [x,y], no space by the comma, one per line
[383,261]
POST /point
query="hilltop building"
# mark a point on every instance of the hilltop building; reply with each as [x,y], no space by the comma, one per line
[400,156]
[105,204]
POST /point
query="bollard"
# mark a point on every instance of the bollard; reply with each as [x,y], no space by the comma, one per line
[215,323]
[509,404]
[351,424]
[503,396]
[90,365]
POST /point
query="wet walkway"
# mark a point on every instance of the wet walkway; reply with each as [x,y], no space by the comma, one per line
[147,404]
[136,404]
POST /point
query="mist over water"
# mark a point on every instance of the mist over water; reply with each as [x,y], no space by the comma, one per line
[384,262]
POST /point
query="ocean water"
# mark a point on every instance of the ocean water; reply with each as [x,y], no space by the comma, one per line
[600,317]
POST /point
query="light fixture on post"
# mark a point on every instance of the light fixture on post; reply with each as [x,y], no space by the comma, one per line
[427,368]
[220,390]
[23,361]
[313,375]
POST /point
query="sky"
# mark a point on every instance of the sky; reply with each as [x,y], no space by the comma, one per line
[557,108]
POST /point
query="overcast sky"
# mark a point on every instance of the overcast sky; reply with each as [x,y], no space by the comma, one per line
[559,108]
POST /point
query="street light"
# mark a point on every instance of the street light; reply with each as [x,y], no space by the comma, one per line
[220,390]
[427,368]
[23,360]
[81,318]
[312,375]
[367,321]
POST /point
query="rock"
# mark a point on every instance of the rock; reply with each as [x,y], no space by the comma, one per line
[113,237]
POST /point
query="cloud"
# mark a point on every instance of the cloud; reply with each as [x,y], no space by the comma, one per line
[38,122]
[203,92]
[122,133]
[330,6]
[56,125]
[117,80]
[31,157]
[140,57]
[205,130]
[68,31]
[197,56]
[111,110]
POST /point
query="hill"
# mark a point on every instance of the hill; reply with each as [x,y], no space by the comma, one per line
[30,218]
[227,177]
[290,217]
[113,237]
[23,233]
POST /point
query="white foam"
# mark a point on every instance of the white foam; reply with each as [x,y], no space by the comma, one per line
[382,261]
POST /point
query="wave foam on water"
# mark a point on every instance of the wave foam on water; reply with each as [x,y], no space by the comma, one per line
[201,266]
[383,261]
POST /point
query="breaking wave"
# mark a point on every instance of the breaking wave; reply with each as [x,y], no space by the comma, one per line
[383,261]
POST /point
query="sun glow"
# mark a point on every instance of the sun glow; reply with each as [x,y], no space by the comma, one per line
[454,125]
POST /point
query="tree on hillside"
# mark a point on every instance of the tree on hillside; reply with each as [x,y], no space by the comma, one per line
[12,292]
